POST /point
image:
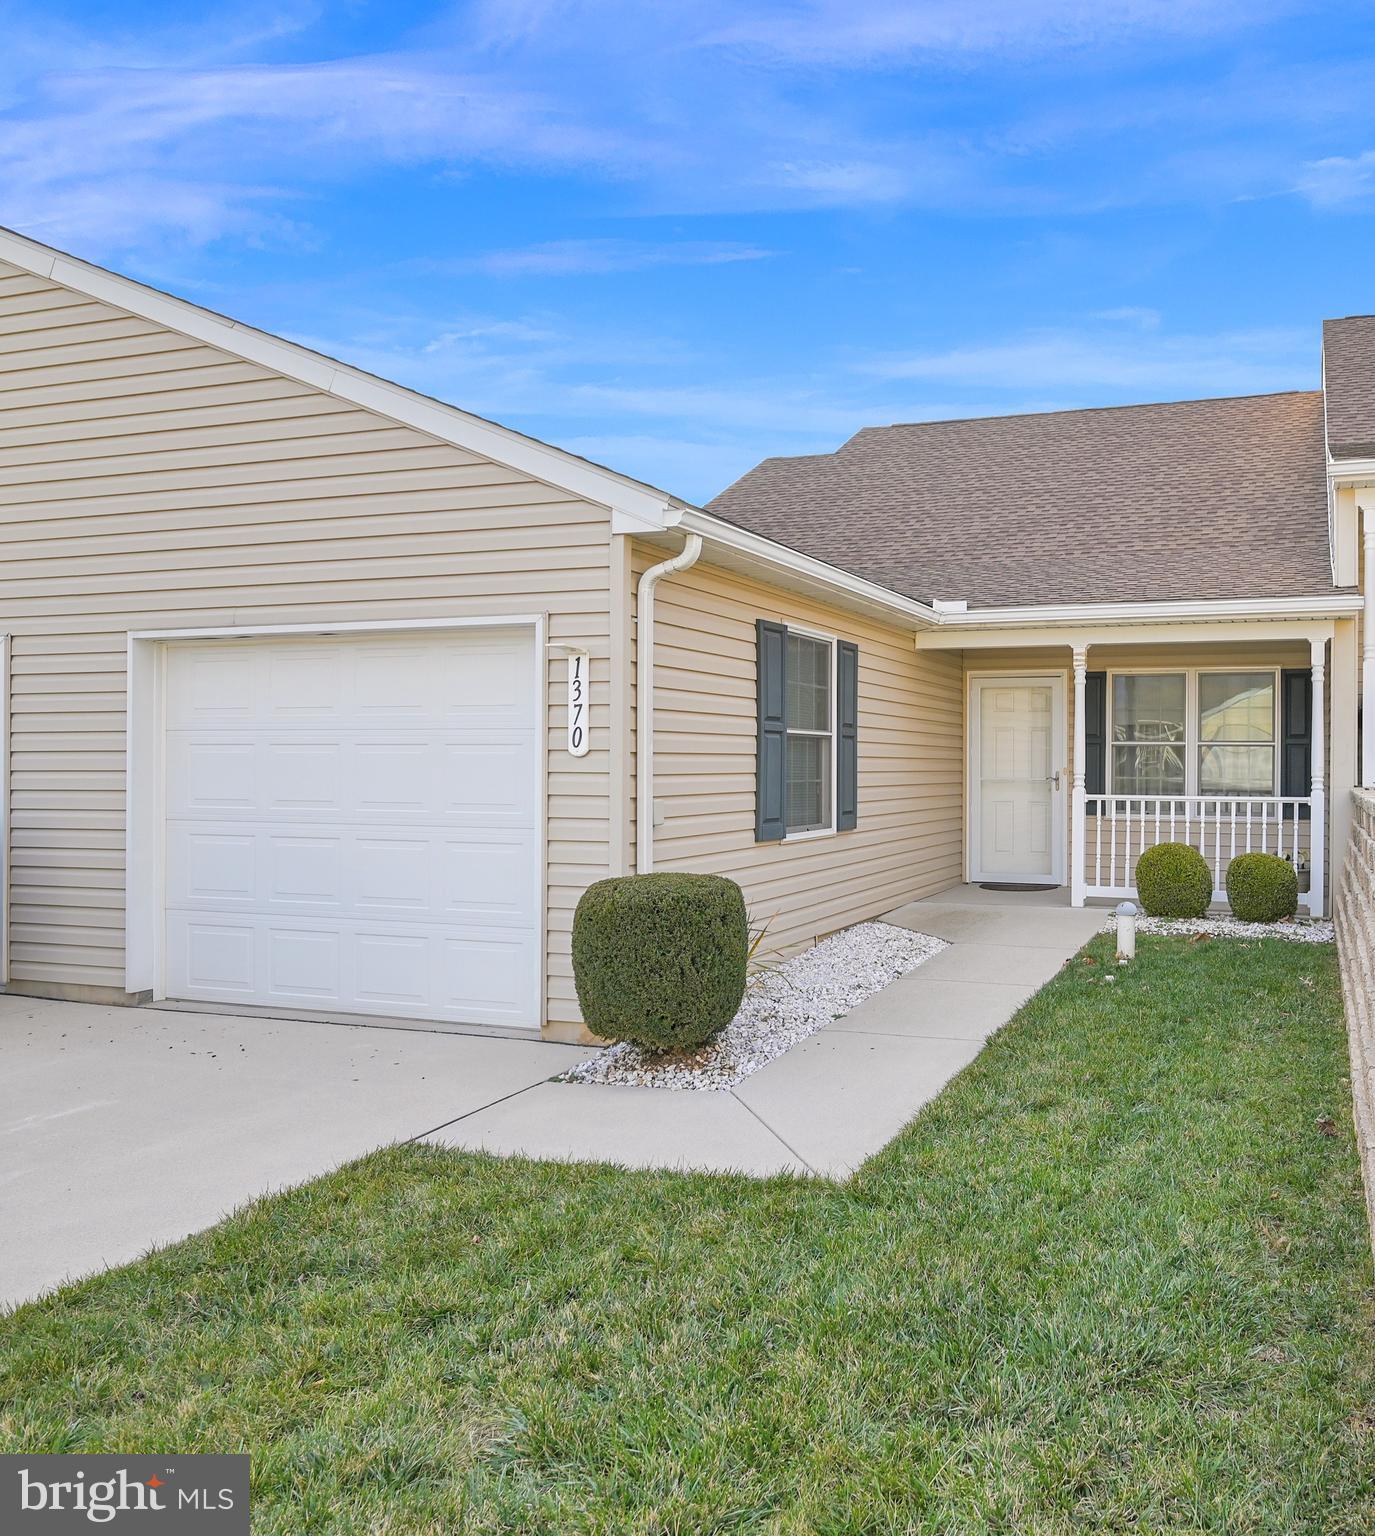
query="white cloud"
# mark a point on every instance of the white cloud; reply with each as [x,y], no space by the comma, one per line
[569,258]
[727,105]
[1338,180]
[867,32]
[1093,363]
[1131,314]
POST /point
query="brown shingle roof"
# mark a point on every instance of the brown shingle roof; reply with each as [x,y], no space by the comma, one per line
[1348,360]
[1199,499]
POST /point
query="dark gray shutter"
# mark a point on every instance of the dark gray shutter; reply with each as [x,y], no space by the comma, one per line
[1296,732]
[847,736]
[770,815]
[1096,733]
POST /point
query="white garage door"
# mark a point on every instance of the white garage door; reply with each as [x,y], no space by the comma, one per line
[352,824]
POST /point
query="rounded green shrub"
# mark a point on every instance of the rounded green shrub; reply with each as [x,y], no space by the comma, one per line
[660,959]
[1262,888]
[1173,880]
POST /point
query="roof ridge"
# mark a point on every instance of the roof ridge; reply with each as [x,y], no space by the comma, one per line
[1083,410]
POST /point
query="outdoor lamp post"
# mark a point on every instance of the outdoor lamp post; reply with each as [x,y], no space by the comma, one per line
[1126,930]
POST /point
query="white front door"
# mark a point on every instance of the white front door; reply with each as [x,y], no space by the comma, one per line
[1016,773]
[352,824]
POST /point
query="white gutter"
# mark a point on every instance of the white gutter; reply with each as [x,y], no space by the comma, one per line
[954,613]
[1338,605]
[644,697]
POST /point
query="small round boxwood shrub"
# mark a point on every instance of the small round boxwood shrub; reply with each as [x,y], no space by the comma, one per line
[660,959]
[1262,888]
[1173,880]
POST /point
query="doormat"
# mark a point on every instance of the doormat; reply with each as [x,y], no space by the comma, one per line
[996,885]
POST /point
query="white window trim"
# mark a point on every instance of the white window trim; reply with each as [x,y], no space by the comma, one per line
[812,833]
[1193,741]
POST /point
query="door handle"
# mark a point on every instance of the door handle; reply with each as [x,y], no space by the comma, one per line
[1054,779]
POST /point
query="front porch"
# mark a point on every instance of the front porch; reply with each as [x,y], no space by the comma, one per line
[1084,748]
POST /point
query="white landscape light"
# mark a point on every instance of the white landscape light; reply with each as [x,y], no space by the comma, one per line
[1126,930]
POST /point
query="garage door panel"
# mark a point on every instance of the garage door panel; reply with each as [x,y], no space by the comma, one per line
[211,959]
[487,880]
[483,976]
[436,875]
[352,824]
[212,868]
[297,776]
[303,684]
[214,775]
[394,874]
[474,779]
[492,970]
[394,778]
[488,781]
[301,871]
[393,970]
[394,682]
[303,964]
[212,686]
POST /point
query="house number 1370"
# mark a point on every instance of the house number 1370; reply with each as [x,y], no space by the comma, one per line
[577,703]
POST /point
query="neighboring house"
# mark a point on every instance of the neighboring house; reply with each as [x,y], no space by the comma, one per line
[321,696]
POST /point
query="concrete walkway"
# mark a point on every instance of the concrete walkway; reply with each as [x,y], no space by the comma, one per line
[837,1098]
[122,1129]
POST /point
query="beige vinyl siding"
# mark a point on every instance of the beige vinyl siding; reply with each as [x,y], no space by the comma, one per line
[907,841]
[1182,657]
[148,481]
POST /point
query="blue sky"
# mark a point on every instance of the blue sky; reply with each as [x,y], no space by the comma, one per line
[681,237]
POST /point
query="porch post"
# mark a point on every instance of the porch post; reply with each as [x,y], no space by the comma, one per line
[1317,862]
[1365,500]
[1078,794]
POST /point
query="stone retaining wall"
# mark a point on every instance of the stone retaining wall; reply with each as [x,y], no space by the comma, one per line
[1354,915]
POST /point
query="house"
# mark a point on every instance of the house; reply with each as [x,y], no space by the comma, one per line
[324,697]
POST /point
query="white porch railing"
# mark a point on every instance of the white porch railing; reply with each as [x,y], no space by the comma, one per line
[1119,828]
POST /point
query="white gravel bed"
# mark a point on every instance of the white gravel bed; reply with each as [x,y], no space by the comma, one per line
[782,1005]
[1301,930]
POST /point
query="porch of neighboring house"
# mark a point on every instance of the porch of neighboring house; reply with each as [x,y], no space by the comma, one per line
[1084,748]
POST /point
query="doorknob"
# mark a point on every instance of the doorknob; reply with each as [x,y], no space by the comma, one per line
[1054,779]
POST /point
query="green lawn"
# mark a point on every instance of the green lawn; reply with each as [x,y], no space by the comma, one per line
[1115,1279]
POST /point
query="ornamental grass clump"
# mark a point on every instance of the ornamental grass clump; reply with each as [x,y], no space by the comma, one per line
[1173,880]
[660,960]
[1262,888]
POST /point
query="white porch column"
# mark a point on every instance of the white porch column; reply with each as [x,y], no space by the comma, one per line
[1317,860]
[1365,500]
[1078,794]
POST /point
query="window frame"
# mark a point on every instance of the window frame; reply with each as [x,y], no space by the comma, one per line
[1193,743]
[831,734]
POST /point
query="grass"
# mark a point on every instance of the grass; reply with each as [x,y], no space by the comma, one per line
[1115,1279]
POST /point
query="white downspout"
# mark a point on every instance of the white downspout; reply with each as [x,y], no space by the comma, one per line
[644,697]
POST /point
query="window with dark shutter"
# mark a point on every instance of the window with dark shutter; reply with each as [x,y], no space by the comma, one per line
[1296,733]
[1095,733]
[847,736]
[770,793]
[807,767]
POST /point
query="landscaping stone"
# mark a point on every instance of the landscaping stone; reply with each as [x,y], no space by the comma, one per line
[1300,930]
[783,1005]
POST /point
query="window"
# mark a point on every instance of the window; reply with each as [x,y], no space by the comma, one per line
[808,756]
[807,750]
[1236,733]
[1149,724]
[1196,733]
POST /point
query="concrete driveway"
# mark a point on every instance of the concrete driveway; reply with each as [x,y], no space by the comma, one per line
[122,1129]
